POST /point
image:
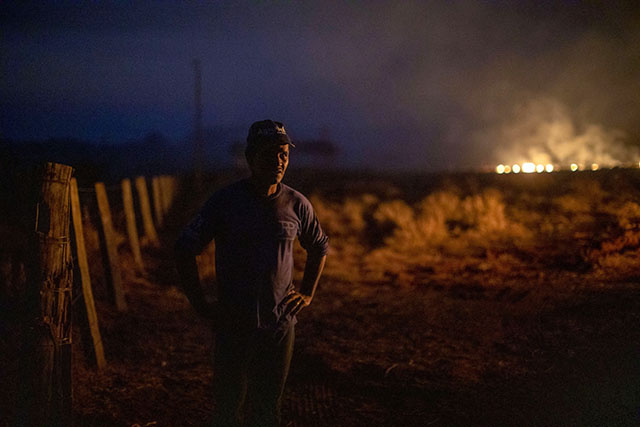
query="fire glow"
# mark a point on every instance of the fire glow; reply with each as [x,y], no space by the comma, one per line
[530,167]
[526,167]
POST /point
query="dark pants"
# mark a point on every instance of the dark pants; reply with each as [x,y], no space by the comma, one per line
[250,368]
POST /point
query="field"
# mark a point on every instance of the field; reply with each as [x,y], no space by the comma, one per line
[447,300]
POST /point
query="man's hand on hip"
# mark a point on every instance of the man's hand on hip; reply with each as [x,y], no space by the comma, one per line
[294,302]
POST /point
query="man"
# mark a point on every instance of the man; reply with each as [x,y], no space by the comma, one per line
[254,223]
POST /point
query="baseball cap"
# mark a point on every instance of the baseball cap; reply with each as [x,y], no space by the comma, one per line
[268,131]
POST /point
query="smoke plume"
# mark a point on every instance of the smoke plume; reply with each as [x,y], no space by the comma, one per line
[543,131]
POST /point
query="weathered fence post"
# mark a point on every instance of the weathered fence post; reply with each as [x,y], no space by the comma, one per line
[51,369]
[110,244]
[132,230]
[157,199]
[167,190]
[83,266]
[164,194]
[145,210]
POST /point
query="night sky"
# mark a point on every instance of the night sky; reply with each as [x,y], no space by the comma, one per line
[410,85]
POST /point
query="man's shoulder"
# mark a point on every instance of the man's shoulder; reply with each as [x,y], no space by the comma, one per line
[294,195]
[297,201]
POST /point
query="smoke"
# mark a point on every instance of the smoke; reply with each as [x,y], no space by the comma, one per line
[573,101]
[436,85]
[416,84]
[543,131]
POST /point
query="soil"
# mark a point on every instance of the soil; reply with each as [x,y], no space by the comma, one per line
[526,352]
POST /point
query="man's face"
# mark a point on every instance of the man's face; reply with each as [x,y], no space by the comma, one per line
[270,162]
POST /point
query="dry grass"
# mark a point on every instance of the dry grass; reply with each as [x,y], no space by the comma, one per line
[579,227]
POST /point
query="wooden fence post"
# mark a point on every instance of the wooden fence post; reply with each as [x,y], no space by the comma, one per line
[167,192]
[157,199]
[110,244]
[145,210]
[51,370]
[132,230]
[164,194]
[83,265]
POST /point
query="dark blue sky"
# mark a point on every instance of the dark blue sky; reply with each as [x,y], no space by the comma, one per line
[422,85]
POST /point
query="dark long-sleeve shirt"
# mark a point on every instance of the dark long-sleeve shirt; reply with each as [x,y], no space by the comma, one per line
[254,238]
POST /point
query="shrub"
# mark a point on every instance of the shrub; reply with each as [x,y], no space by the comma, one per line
[580,229]
[446,222]
[628,216]
[346,219]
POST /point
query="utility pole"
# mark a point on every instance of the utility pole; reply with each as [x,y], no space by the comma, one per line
[198,143]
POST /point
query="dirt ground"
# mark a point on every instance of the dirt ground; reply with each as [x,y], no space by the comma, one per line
[527,349]
[372,354]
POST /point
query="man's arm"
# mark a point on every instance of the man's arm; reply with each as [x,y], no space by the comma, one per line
[191,242]
[312,271]
[315,242]
[190,280]
[296,301]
